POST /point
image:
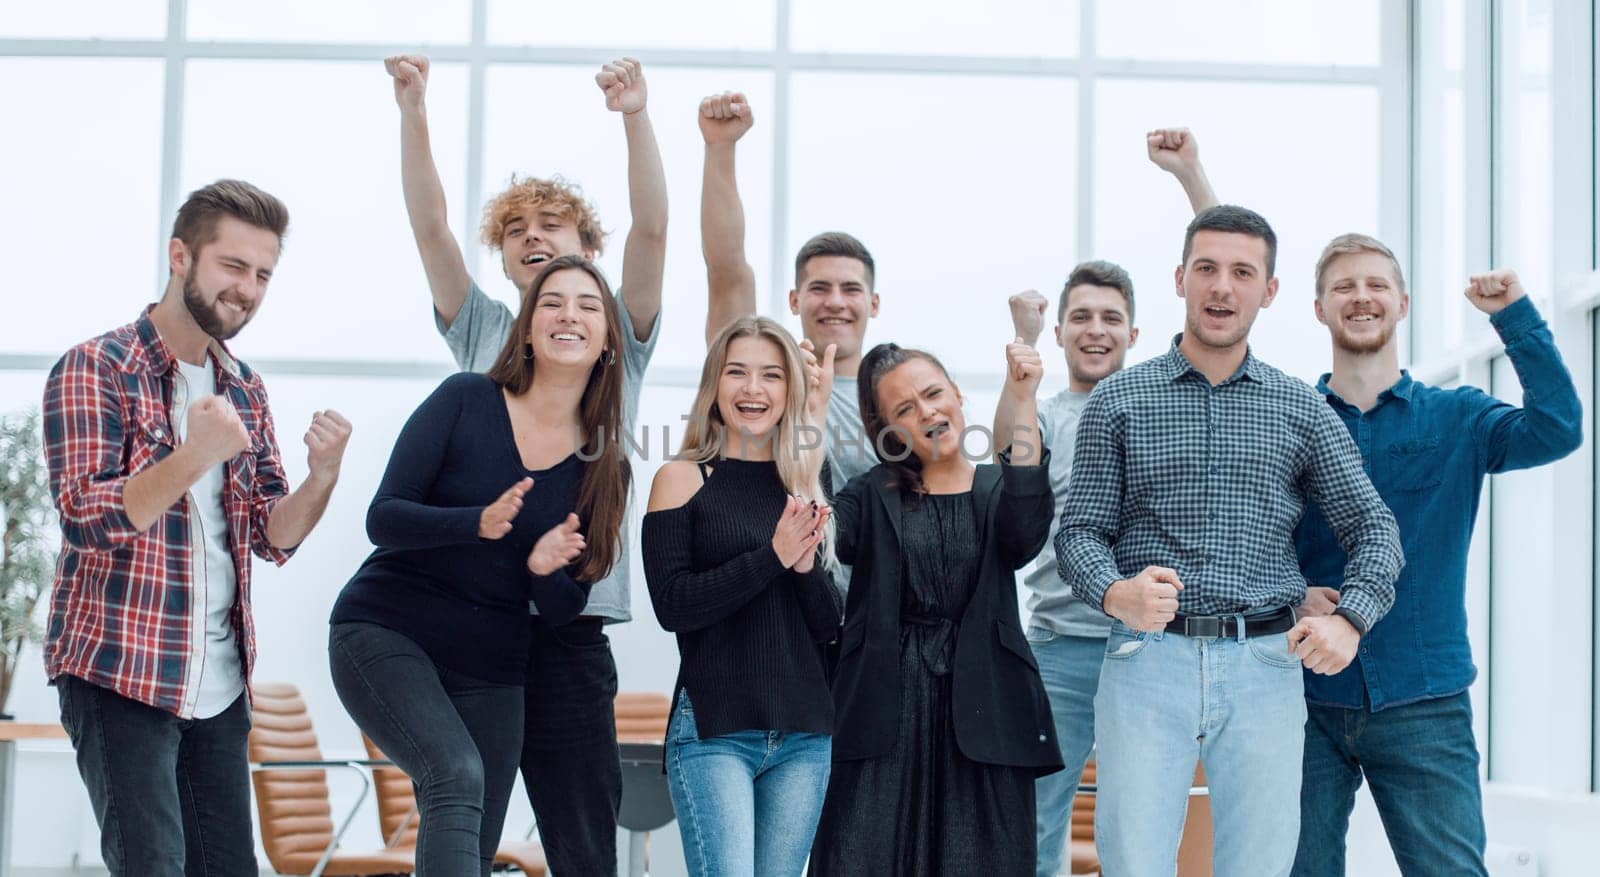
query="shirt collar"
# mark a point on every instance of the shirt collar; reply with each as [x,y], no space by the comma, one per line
[1178,365]
[153,353]
[1402,389]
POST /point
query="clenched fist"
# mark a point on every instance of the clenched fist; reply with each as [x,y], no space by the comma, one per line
[1147,601]
[410,74]
[623,83]
[1024,370]
[1027,314]
[214,431]
[725,117]
[325,440]
[1491,292]
[1174,150]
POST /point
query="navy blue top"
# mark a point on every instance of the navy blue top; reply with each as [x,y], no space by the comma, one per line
[1427,450]
[462,598]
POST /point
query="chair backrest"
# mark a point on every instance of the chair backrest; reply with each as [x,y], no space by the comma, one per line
[642,716]
[292,805]
[397,801]
[1083,809]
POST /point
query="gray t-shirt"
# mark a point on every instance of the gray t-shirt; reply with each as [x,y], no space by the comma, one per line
[475,339]
[849,452]
[1051,601]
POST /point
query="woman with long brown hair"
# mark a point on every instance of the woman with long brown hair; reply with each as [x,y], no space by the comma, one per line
[737,554]
[502,488]
[941,720]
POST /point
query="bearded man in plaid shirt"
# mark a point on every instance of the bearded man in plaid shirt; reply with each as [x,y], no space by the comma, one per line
[166,476]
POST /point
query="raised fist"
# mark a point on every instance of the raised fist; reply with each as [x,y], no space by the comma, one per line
[725,117]
[623,83]
[410,74]
[1174,150]
[1491,292]
[1027,314]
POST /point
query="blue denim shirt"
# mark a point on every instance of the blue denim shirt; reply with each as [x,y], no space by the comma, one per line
[1427,450]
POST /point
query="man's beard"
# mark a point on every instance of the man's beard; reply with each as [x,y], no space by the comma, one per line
[206,317]
[1348,344]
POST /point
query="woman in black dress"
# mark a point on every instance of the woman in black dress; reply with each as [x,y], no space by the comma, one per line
[941,722]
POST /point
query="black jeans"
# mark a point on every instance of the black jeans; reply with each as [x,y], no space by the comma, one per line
[569,749]
[171,795]
[455,736]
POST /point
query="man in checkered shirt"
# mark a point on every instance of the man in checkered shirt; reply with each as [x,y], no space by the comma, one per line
[166,475]
[1190,473]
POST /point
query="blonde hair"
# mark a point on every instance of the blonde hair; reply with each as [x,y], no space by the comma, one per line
[1353,244]
[532,194]
[706,440]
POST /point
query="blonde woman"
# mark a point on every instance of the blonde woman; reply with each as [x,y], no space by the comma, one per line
[736,554]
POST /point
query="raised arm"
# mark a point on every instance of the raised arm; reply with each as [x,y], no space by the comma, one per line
[1549,425]
[448,280]
[1027,321]
[645,253]
[1176,151]
[730,280]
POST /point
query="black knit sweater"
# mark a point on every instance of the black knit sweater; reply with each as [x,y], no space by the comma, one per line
[748,629]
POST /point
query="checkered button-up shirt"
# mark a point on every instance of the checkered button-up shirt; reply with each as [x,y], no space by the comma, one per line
[128,610]
[1211,481]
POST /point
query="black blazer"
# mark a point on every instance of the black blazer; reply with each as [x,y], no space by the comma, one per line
[1001,713]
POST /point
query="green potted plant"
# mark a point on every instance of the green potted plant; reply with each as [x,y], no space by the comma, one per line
[26,562]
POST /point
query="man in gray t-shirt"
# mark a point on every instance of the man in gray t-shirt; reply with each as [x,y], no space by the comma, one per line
[1068,636]
[569,753]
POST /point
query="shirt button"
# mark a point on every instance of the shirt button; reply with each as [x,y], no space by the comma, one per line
[1042,738]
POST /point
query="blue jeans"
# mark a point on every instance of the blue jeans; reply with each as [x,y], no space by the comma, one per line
[456,737]
[1238,707]
[1422,762]
[747,802]
[171,795]
[1070,668]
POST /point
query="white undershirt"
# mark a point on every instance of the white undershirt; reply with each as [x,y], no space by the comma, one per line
[221,676]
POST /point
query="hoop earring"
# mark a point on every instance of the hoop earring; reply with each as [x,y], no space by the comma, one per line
[527,350]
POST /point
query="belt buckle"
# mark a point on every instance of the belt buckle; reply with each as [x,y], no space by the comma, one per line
[1203,627]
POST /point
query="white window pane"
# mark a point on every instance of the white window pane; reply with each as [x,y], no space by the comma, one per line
[687,24]
[82,233]
[1522,663]
[403,21]
[1443,220]
[324,137]
[574,135]
[957,214]
[84,19]
[1309,186]
[1022,28]
[1252,31]
[1523,183]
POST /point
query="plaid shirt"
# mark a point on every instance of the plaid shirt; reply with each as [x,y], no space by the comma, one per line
[125,613]
[1211,481]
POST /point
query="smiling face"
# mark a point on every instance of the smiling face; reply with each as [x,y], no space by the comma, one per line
[834,299]
[752,389]
[1095,332]
[534,237]
[1361,302]
[225,282]
[568,326]
[1224,285]
[916,399]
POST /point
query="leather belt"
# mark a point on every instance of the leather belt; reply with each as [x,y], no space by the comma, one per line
[1227,626]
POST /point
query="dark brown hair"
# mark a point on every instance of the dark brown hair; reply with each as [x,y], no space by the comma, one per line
[1233,219]
[835,243]
[196,224]
[1098,273]
[886,440]
[607,475]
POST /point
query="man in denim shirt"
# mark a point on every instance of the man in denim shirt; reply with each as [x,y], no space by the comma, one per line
[1400,715]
